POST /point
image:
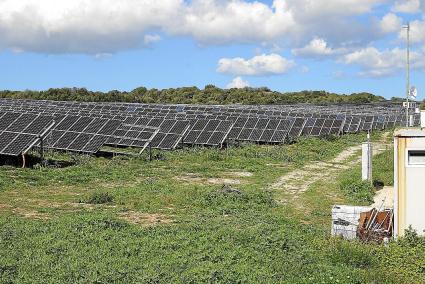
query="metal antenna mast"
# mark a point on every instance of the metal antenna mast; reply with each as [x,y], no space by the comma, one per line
[407,73]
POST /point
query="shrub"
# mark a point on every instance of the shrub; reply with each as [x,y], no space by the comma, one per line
[99,197]
[231,200]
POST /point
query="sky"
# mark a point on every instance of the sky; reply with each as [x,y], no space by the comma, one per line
[342,46]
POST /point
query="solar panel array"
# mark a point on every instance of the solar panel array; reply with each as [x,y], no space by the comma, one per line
[86,127]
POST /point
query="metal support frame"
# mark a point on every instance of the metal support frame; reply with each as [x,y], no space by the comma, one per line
[39,139]
[407,27]
[42,149]
[23,160]
[150,152]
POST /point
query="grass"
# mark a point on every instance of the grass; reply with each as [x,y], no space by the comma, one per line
[170,221]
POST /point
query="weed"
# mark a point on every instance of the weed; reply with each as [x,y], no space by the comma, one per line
[360,191]
[99,197]
[353,254]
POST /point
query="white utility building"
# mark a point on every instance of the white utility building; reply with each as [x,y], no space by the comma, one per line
[409,181]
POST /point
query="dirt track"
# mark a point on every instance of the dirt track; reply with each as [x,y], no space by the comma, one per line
[298,181]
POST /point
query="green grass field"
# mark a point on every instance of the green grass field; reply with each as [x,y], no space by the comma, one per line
[128,220]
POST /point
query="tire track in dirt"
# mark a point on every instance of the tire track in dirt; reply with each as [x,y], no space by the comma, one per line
[293,184]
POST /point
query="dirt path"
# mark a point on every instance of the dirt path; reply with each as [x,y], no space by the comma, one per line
[298,181]
[384,198]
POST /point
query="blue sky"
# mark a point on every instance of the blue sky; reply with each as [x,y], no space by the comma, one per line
[341,46]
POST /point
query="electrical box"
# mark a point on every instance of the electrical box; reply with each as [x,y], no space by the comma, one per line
[409,181]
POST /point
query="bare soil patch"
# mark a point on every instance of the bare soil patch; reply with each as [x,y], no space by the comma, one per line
[239,174]
[145,219]
[223,181]
[190,177]
[384,198]
[31,214]
[194,178]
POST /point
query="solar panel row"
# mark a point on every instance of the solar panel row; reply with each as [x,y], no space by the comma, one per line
[85,127]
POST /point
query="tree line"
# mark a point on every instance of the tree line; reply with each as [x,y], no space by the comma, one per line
[193,95]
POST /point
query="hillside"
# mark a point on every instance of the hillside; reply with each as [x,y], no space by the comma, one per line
[192,95]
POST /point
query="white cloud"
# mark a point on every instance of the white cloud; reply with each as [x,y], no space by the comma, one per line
[238,83]
[82,26]
[260,65]
[102,55]
[376,63]
[417,32]
[108,26]
[150,39]
[407,6]
[316,48]
[319,8]
[391,23]
[220,22]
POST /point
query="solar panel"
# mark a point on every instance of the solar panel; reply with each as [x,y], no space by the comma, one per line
[170,134]
[261,129]
[297,128]
[133,136]
[379,123]
[81,134]
[318,127]
[337,127]
[354,125]
[20,132]
[367,123]
[308,127]
[208,132]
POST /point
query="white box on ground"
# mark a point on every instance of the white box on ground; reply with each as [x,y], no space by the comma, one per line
[345,220]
